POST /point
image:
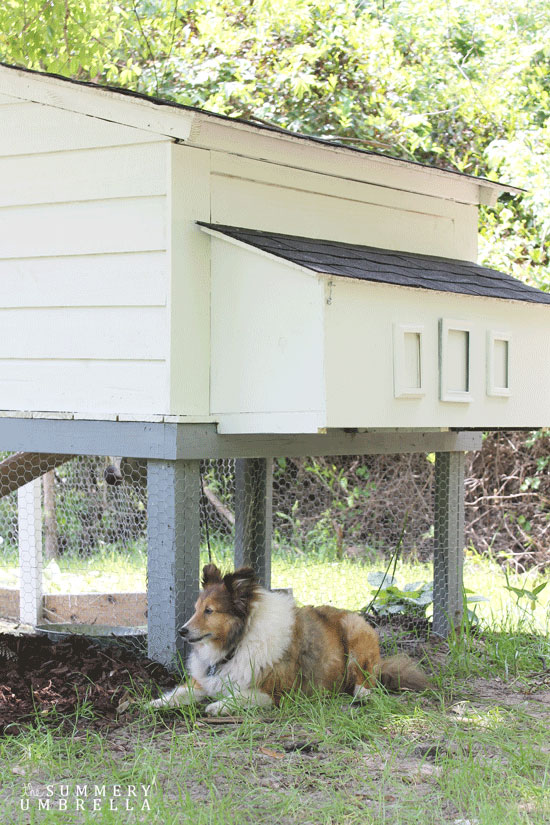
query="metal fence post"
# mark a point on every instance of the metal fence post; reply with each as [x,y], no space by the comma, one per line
[173,553]
[448,540]
[29,528]
[253,515]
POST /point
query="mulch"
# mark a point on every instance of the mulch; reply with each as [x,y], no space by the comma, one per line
[51,680]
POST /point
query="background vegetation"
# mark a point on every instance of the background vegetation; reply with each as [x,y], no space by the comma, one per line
[462,84]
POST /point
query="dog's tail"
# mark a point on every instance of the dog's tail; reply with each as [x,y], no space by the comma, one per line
[401,673]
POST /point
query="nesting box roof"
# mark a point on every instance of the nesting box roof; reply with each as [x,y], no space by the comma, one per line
[371,264]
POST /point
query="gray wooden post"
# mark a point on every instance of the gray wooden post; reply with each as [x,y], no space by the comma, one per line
[173,555]
[448,540]
[253,515]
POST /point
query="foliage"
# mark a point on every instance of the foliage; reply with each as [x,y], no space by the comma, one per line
[412,599]
[462,85]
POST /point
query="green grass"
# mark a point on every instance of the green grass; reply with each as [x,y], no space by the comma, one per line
[398,759]
[315,578]
[475,748]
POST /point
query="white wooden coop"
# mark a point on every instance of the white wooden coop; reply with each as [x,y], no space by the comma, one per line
[178,285]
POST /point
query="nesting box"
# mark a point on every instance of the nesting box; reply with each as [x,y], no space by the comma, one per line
[162,263]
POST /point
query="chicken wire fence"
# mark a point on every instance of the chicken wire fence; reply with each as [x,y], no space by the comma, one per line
[79,527]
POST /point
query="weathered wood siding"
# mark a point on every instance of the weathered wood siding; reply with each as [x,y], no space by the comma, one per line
[83,264]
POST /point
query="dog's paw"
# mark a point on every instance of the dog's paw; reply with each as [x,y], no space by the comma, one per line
[219,708]
[178,696]
[361,695]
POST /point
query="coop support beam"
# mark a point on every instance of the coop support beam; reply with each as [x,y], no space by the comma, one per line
[29,526]
[448,540]
[173,558]
[253,515]
[142,439]
[21,468]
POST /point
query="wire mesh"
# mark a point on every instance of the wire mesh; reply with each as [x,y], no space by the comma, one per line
[76,532]
[73,533]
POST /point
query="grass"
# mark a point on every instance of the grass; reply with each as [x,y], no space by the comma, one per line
[440,758]
[475,749]
[315,578]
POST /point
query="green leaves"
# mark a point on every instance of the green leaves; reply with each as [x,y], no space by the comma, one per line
[468,89]
[524,593]
[413,598]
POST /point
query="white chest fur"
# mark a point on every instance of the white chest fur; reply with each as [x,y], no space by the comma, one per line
[266,638]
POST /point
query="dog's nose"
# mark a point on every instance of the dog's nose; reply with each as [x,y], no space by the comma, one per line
[184,631]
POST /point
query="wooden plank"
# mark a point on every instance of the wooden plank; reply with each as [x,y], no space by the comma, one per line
[173,554]
[172,441]
[29,533]
[189,295]
[90,174]
[275,363]
[106,104]
[336,186]
[91,387]
[8,99]
[242,139]
[115,333]
[9,603]
[89,437]
[21,468]
[253,516]
[118,225]
[28,128]
[112,609]
[448,540]
[125,279]
[239,202]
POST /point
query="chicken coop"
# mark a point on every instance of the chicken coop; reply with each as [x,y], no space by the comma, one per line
[177,286]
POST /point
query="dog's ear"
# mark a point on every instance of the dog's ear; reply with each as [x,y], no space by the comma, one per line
[242,585]
[210,575]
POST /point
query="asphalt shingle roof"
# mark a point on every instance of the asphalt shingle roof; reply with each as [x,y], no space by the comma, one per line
[387,266]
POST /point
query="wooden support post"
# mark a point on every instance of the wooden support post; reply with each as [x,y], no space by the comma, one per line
[29,521]
[253,515]
[173,556]
[448,540]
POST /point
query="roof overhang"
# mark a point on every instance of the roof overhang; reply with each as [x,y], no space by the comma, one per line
[209,130]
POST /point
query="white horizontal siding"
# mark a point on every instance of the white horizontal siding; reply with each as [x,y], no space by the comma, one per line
[126,279]
[279,208]
[133,333]
[5,99]
[29,128]
[88,174]
[85,227]
[83,265]
[99,387]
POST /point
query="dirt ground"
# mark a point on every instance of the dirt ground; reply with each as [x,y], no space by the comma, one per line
[39,675]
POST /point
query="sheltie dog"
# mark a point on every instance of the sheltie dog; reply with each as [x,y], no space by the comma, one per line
[250,645]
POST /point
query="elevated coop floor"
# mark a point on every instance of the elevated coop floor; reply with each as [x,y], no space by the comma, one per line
[181,488]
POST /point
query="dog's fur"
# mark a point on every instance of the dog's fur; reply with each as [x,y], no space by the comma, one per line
[253,645]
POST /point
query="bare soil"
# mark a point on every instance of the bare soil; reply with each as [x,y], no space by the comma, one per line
[38,675]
